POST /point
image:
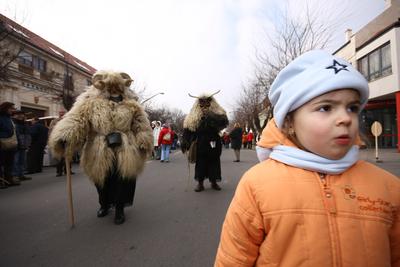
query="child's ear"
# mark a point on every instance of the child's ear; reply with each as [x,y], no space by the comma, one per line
[288,126]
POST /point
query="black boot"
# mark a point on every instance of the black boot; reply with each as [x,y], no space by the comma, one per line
[13,181]
[103,211]
[215,186]
[119,215]
[199,187]
[3,183]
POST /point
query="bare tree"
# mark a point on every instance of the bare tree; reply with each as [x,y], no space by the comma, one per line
[9,50]
[292,37]
[174,117]
[250,104]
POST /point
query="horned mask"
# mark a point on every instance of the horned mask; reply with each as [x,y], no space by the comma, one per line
[205,101]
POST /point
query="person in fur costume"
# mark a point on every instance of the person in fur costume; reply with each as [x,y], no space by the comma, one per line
[113,132]
[204,122]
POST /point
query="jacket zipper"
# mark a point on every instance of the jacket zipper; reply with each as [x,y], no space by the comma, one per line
[330,205]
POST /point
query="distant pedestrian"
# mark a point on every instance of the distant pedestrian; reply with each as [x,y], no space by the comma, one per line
[24,142]
[165,141]
[313,202]
[226,139]
[39,135]
[8,145]
[250,138]
[236,140]
[153,125]
[61,168]
[156,135]
[174,139]
[244,140]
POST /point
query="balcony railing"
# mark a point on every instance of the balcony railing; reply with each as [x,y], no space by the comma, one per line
[46,76]
[25,69]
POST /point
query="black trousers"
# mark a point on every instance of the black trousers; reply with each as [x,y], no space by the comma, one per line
[6,163]
[35,159]
[208,167]
[61,167]
[116,191]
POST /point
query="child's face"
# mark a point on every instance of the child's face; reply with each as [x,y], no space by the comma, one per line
[328,124]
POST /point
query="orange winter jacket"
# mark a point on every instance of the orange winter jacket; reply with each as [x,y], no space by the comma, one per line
[286,216]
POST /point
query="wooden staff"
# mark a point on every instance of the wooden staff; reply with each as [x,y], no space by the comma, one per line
[188,179]
[69,192]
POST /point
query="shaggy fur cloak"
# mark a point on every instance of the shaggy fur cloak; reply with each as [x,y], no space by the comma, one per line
[93,117]
[204,126]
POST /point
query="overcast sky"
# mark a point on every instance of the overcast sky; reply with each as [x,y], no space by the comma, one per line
[175,46]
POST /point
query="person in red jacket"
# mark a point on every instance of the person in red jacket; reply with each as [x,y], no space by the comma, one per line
[250,138]
[165,141]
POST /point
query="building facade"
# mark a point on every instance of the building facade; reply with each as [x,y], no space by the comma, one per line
[375,52]
[39,77]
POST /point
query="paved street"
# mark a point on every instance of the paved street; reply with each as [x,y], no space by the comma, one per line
[168,225]
[388,159]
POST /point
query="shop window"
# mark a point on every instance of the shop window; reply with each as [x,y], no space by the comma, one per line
[376,64]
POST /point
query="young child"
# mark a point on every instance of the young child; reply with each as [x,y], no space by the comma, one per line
[312,202]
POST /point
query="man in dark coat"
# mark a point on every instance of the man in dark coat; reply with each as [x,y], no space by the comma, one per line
[7,130]
[236,140]
[204,123]
[24,141]
[39,135]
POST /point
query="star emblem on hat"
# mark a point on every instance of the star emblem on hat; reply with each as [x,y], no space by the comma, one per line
[337,67]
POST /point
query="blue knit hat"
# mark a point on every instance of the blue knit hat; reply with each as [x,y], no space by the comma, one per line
[310,75]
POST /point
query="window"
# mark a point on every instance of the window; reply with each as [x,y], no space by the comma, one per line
[376,64]
[386,60]
[39,64]
[25,58]
[32,61]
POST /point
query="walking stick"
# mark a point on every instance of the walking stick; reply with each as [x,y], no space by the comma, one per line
[188,179]
[69,192]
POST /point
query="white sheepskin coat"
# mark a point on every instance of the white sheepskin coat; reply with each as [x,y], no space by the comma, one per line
[92,118]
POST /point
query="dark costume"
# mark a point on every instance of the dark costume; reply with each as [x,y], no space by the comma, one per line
[39,135]
[204,124]
[208,163]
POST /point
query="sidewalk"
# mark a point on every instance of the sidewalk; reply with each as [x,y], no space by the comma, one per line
[389,159]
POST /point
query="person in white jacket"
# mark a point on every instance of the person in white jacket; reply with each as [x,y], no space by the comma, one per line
[156,134]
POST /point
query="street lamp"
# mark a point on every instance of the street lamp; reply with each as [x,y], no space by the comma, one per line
[161,93]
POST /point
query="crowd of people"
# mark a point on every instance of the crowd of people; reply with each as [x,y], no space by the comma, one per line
[246,138]
[164,139]
[22,145]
